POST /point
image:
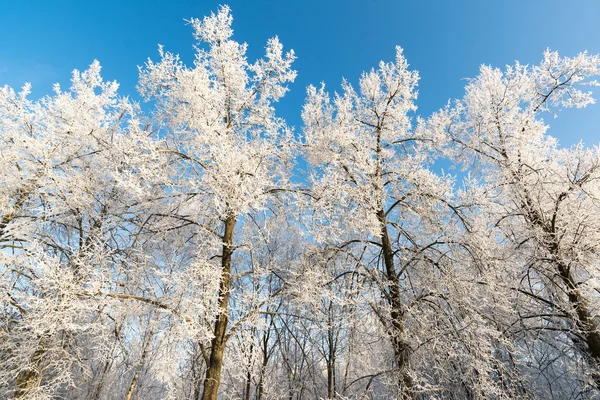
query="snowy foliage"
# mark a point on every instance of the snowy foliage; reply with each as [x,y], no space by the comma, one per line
[173,254]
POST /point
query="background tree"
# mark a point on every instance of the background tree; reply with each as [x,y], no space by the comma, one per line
[72,192]
[541,203]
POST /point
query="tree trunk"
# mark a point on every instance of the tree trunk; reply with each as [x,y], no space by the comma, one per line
[396,326]
[196,371]
[140,365]
[331,379]
[248,386]
[30,377]
[332,347]
[264,363]
[215,362]
[584,321]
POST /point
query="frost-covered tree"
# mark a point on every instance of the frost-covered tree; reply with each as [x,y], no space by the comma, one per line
[71,187]
[169,255]
[541,204]
[231,153]
[377,197]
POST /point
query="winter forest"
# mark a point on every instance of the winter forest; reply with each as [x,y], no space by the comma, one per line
[196,246]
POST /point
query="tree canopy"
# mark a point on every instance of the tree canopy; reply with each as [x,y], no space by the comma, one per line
[199,247]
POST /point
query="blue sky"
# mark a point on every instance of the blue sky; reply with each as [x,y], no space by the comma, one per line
[447,41]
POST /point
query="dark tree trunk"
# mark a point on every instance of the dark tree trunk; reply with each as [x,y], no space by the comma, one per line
[584,321]
[248,386]
[332,347]
[215,362]
[396,325]
[264,363]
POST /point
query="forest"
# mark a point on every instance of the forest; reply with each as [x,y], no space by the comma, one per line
[196,246]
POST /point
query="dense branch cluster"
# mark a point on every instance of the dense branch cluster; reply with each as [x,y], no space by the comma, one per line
[206,250]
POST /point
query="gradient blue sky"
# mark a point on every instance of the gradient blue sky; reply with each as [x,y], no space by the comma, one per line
[42,41]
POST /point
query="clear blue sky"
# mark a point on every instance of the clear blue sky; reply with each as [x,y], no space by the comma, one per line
[42,41]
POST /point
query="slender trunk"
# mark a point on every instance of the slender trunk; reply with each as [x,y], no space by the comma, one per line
[261,389]
[261,383]
[395,328]
[197,374]
[331,356]
[396,325]
[215,362]
[265,362]
[140,365]
[248,386]
[133,382]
